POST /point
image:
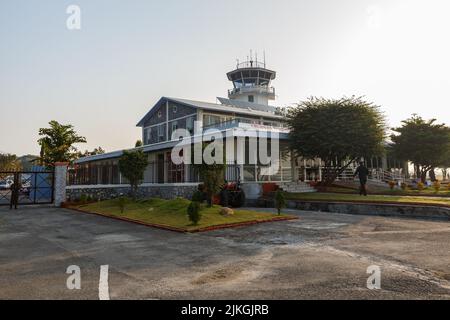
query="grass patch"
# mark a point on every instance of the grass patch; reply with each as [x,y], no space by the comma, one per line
[371,198]
[396,192]
[173,213]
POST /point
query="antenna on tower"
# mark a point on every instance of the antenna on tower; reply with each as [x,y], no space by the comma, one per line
[264,52]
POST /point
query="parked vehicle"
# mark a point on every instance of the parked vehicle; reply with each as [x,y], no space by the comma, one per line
[6,184]
[232,193]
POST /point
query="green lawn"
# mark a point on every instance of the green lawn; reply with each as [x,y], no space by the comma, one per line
[371,198]
[172,213]
[396,192]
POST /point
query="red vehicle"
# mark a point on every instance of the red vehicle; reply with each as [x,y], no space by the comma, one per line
[232,194]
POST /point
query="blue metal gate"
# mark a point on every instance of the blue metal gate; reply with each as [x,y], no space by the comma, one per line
[26,187]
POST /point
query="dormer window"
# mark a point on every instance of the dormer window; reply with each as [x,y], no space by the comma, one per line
[159,114]
[174,109]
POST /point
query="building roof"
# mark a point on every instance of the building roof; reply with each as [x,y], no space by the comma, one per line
[118,153]
[247,105]
[170,144]
[226,105]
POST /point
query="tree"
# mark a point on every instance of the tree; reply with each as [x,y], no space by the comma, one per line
[212,176]
[339,132]
[132,165]
[57,143]
[423,142]
[213,180]
[138,144]
[9,162]
[445,166]
[88,153]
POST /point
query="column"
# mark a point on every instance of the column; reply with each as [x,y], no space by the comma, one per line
[60,183]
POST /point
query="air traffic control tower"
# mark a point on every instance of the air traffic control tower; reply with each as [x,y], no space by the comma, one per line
[251,82]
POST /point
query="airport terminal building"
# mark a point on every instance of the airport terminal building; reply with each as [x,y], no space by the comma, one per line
[245,109]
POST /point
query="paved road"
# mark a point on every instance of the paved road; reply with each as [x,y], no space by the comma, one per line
[319,256]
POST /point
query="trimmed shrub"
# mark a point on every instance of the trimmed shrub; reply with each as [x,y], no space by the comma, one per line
[437,186]
[420,186]
[193,212]
[122,202]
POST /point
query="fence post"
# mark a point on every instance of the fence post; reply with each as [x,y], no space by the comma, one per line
[60,182]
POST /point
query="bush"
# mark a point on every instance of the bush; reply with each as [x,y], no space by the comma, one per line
[420,186]
[392,184]
[437,186]
[83,198]
[193,212]
[198,196]
[280,201]
[122,202]
[404,186]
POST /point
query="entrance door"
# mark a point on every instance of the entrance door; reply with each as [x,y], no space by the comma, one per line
[160,168]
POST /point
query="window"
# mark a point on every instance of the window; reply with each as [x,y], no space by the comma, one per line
[174,109]
[190,125]
[147,135]
[161,133]
[159,114]
[173,126]
[251,99]
[210,120]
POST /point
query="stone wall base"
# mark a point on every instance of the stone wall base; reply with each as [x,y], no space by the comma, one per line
[106,193]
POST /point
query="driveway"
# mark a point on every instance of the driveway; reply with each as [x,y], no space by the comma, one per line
[319,256]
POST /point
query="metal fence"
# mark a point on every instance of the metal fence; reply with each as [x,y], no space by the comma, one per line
[26,187]
[167,172]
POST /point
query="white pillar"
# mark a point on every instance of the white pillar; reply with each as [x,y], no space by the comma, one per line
[60,183]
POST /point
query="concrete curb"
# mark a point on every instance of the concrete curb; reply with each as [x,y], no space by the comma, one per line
[410,210]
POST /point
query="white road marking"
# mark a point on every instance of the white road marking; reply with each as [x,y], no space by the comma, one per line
[103,287]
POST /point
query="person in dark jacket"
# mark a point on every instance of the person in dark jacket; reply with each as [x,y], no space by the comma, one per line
[362,172]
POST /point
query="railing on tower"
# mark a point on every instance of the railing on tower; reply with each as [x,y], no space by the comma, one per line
[251,64]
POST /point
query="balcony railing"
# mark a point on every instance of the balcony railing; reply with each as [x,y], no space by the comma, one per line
[242,122]
[252,89]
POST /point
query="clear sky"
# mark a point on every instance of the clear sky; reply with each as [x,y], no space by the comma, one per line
[104,77]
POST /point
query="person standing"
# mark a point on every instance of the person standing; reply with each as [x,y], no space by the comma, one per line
[362,172]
